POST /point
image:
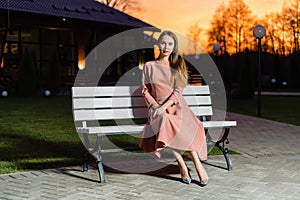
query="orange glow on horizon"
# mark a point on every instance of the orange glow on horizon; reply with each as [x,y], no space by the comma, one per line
[178,15]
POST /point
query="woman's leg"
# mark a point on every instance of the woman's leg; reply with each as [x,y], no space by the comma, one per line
[182,166]
[199,167]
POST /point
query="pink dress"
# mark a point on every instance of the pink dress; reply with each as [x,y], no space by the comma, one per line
[178,127]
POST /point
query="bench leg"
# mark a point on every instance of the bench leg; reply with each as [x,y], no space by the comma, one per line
[87,153]
[98,157]
[227,158]
[86,161]
[221,145]
[96,152]
[100,170]
[99,166]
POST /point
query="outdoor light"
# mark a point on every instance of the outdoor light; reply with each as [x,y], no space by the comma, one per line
[259,32]
[141,61]
[81,66]
[47,93]
[4,93]
[216,47]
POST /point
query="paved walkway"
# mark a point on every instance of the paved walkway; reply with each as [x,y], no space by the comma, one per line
[267,168]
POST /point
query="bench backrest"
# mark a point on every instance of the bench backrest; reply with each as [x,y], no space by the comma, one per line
[127,102]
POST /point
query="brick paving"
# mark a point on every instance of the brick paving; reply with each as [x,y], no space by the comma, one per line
[268,167]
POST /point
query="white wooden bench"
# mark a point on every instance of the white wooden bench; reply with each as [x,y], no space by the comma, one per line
[100,103]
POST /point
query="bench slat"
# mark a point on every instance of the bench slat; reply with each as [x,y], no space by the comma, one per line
[196,90]
[218,124]
[127,113]
[119,102]
[137,129]
[128,90]
[105,91]
[112,130]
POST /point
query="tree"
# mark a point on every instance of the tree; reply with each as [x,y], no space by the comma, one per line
[195,33]
[232,26]
[127,6]
[239,25]
[291,13]
[217,33]
[274,41]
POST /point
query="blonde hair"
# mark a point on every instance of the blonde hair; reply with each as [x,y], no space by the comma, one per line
[177,63]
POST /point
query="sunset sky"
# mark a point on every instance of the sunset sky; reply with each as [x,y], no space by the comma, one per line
[179,15]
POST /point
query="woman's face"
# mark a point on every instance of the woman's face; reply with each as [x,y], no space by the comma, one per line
[166,45]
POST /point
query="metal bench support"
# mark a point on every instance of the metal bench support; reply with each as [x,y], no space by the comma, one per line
[221,145]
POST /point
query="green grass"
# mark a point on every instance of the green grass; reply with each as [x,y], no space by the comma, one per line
[284,109]
[37,133]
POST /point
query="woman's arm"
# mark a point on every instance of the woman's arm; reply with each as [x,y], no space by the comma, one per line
[146,87]
[176,92]
[173,99]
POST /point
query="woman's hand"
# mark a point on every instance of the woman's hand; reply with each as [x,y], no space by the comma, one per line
[159,111]
[154,106]
[162,108]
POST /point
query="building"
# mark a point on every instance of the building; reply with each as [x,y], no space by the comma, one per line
[68,28]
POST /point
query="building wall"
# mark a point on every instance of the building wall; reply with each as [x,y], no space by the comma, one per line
[44,36]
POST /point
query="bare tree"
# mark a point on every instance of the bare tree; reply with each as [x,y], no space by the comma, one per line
[239,24]
[231,27]
[274,42]
[291,13]
[127,6]
[195,33]
[218,31]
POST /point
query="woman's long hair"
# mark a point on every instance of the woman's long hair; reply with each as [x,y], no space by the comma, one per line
[177,63]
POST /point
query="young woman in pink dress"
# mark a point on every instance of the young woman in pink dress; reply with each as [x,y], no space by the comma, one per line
[171,123]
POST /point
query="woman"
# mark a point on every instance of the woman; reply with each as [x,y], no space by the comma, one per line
[171,122]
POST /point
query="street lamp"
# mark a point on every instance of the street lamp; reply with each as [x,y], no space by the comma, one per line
[259,32]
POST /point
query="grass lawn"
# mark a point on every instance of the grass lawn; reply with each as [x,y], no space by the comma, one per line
[278,108]
[39,132]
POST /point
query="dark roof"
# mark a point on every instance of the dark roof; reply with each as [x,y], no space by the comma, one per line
[90,10]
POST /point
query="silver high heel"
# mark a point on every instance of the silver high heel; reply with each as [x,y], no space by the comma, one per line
[204,183]
[187,180]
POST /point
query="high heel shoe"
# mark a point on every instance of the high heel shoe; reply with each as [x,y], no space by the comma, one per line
[187,180]
[204,183]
